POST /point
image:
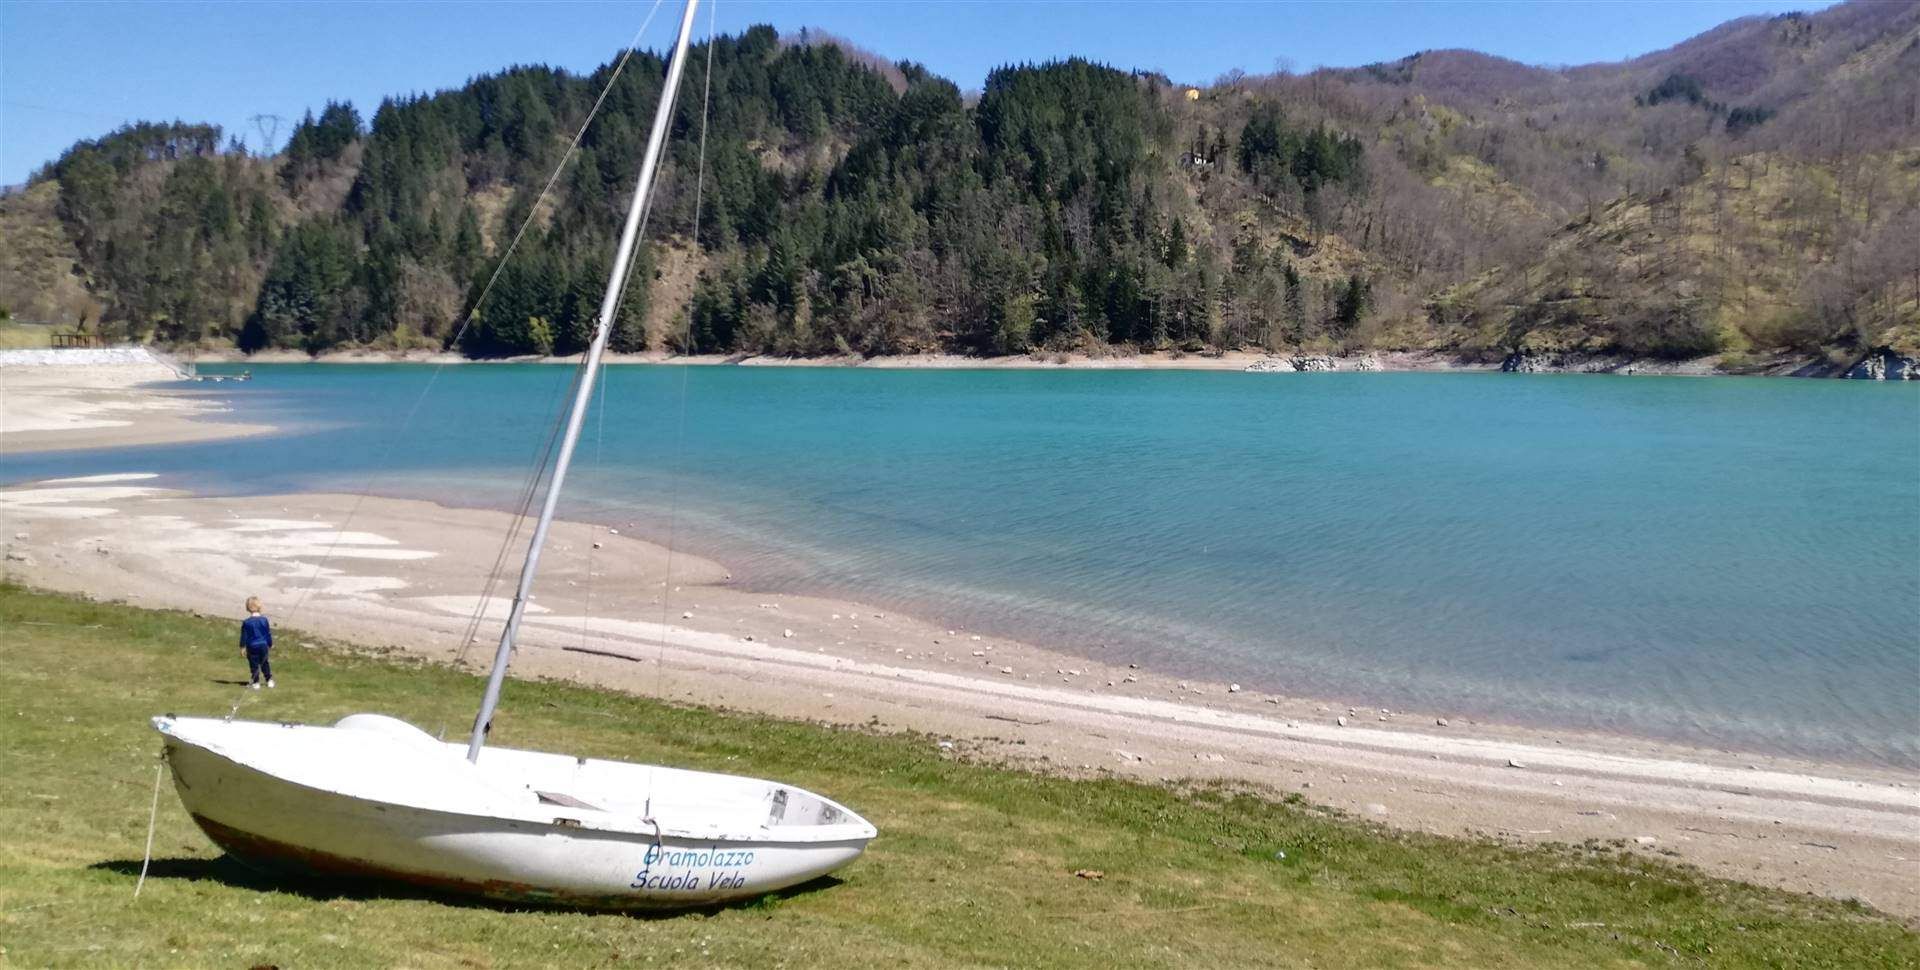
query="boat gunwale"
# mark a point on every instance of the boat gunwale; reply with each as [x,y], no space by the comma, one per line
[857,829]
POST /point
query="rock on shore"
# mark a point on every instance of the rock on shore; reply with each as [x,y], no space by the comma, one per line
[1524,362]
[1884,364]
[1306,362]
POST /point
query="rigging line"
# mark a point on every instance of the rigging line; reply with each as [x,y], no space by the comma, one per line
[599,467]
[582,370]
[686,344]
[495,572]
[618,283]
[525,506]
[528,492]
[467,321]
[600,417]
[680,434]
[521,514]
[537,471]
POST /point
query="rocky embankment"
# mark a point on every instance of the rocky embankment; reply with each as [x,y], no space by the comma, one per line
[1879,364]
[1885,364]
[1314,362]
[1575,363]
[134,363]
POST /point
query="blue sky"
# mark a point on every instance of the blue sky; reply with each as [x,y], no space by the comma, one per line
[72,69]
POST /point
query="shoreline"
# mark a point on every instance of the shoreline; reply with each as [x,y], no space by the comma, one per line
[405,573]
[712,558]
[1383,361]
[1403,711]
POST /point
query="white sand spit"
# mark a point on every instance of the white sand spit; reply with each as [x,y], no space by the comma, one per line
[34,499]
[103,479]
[273,525]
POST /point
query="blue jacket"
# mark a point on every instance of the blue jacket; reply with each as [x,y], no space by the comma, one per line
[255,634]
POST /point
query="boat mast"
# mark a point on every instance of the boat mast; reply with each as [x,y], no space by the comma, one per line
[583,394]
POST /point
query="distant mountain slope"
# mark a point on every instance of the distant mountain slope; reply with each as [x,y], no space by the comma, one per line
[1742,258]
[1751,190]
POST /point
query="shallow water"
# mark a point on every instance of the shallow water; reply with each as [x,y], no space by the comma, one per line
[1727,562]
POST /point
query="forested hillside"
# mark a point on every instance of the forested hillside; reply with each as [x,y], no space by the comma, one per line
[1755,189]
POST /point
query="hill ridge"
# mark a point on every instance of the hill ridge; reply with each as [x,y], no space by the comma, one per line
[1747,189]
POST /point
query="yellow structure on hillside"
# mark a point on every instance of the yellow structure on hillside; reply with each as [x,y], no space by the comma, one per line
[1193,94]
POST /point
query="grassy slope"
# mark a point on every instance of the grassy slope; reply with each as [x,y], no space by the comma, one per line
[974,865]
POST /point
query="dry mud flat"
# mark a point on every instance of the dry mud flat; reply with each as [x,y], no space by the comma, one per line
[617,612]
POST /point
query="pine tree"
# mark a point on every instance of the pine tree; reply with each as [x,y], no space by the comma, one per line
[1355,299]
[1296,306]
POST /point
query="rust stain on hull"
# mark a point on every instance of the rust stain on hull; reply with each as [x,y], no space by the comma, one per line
[281,857]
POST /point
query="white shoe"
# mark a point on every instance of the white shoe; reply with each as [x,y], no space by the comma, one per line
[254,686]
[269,681]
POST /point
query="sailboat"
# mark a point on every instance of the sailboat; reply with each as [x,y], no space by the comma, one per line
[374,796]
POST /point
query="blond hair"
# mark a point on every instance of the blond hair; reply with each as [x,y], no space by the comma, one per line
[253,604]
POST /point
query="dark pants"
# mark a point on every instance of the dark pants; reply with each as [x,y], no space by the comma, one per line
[257,664]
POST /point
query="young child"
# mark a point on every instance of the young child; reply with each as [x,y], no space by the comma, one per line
[256,638]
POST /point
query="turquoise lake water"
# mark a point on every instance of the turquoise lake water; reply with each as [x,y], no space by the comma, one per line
[1725,562]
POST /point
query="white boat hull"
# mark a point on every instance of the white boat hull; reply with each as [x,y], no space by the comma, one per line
[503,830]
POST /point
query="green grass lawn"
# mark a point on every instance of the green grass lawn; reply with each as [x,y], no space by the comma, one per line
[974,865]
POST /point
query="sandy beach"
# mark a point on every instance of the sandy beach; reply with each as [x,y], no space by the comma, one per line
[615,611]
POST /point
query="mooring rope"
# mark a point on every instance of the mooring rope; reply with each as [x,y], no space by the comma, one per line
[153,816]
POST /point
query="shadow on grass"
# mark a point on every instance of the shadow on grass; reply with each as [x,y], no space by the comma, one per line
[231,872]
[235,683]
